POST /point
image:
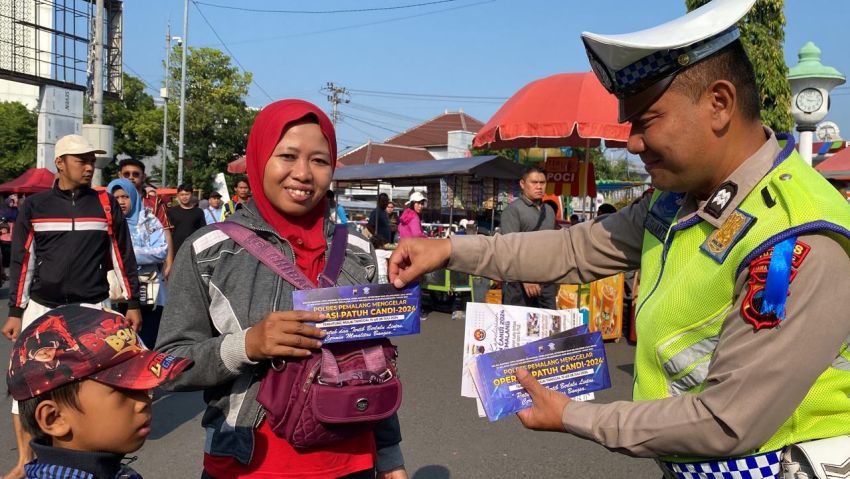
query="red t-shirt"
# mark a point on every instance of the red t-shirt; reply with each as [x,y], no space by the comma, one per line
[275,458]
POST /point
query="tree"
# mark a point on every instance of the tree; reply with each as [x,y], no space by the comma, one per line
[217,118]
[18,137]
[763,34]
[603,168]
[508,153]
[137,120]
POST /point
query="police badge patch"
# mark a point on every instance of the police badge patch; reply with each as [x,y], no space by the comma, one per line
[720,241]
[752,305]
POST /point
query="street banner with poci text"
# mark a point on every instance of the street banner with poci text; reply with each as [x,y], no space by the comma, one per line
[564,174]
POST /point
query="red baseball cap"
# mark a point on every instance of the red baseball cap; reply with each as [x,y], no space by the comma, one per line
[78,341]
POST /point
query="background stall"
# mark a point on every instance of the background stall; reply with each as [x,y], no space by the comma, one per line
[474,188]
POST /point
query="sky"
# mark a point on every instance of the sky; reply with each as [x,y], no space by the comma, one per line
[410,60]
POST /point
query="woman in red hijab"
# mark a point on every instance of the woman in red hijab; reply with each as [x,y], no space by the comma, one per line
[231,314]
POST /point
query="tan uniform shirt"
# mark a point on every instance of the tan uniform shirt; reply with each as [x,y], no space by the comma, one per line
[755,380]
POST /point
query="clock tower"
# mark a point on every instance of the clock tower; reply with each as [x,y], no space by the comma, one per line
[811,82]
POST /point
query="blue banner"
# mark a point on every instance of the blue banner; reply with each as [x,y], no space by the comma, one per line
[364,311]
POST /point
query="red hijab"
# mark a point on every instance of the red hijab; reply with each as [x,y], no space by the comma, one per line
[268,129]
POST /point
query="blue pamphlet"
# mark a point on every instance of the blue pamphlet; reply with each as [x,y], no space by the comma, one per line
[572,362]
[364,311]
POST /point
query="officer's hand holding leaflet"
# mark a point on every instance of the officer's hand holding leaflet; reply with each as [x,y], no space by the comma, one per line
[414,257]
[547,406]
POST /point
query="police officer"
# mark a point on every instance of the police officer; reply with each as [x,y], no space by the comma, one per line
[743,250]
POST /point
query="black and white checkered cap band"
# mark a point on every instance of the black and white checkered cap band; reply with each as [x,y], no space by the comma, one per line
[761,466]
[643,73]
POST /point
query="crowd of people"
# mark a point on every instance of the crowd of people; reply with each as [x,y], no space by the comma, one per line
[741,366]
[121,241]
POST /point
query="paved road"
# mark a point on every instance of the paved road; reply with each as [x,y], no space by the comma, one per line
[443,436]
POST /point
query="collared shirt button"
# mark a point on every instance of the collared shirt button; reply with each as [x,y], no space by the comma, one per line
[785,176]
[300,242]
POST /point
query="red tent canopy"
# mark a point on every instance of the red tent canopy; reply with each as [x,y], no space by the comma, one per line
[567,109]
[33,180]
[837,166]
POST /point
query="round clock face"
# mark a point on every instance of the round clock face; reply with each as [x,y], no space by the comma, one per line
[809,100]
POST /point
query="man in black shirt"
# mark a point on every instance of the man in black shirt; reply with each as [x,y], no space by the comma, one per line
[186,217]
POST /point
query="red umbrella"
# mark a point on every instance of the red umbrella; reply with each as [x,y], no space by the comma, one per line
[238,165]
[33,180]
[567,109]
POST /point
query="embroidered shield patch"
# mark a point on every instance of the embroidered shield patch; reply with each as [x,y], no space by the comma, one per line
[720,241]
[752,305]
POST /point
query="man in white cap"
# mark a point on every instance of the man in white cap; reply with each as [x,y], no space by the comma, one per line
[65,240]
[742,339]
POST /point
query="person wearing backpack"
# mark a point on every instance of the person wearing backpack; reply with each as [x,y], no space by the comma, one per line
[64,242]
[529,213]
[232,313]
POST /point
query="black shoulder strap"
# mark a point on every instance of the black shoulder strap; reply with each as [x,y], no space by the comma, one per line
[541,217]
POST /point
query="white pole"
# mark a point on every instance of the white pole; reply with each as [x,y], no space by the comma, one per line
[162,180]
[97,71]
[183,92]
[806,137]
[97,80]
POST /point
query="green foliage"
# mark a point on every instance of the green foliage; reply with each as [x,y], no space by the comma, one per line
[762,34]
[137,120]
[18,137]
[217,118]
[508,153]
[604,168]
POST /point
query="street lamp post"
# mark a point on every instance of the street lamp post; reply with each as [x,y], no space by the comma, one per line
[163,93]
[183,93]
[811,82]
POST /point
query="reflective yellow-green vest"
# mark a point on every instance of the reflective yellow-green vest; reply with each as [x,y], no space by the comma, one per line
[688,279]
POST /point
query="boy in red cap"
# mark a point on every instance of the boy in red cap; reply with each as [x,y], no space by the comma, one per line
[84,382]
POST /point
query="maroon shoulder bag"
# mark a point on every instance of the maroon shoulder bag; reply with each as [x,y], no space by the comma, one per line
[337,393]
